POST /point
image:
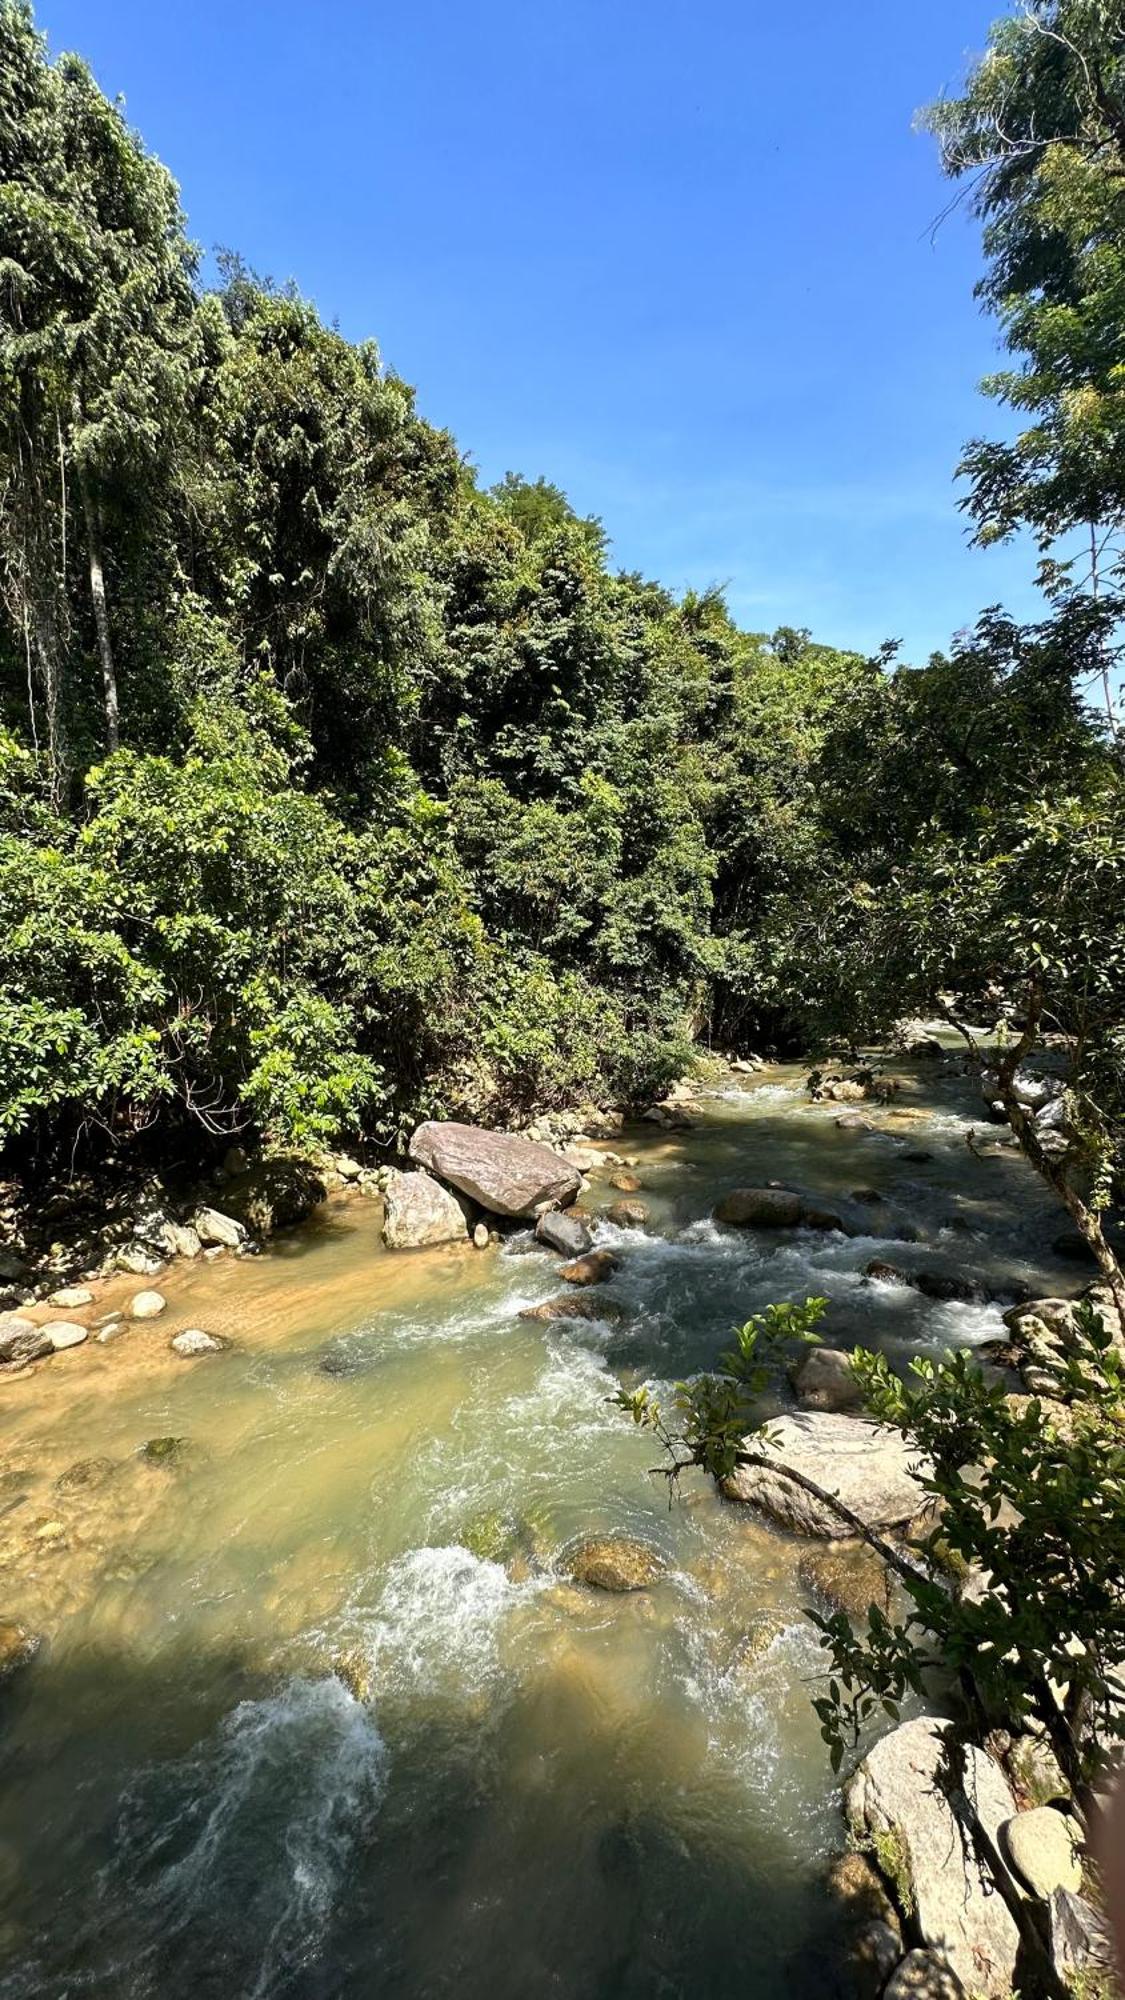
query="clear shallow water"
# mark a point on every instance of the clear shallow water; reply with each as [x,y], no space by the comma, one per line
[318,1714]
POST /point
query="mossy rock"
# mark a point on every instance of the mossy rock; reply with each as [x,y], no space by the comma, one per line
[165,1450]
[86,1475]
[846,1579]
[614,1562]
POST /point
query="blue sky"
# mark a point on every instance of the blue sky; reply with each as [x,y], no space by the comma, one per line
[676,257]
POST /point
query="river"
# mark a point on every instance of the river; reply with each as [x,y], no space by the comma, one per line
[318,1714]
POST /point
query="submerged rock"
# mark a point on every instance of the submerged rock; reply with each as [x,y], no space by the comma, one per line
[86,1475]
[17,1646]
[165,1450]
[625,1181]
[593,1269]
[848,1577]
[614,1562]
[873,1470]
[899,1799]
[419,1213]
[504,1173]
[566,1233]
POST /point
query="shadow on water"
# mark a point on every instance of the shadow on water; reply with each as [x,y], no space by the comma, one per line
[268,1841]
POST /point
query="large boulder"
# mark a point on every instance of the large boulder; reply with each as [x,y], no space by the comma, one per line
[760,1208]
[899,1798]
[419,1212]
[216,1230]
[873,1470]
[614,1562]
[1043,1848]
[505,1173]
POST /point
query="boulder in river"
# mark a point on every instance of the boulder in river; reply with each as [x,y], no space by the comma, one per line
[625,1181]
[823,1380]
[614,1562]
[628,1214]
[759,1208]
[194,1341]
[872,1469]
[899,1798]
[593,1269]
[420,1212]
[504,1173]
[848,1577]
[566,1233]
[574,1305]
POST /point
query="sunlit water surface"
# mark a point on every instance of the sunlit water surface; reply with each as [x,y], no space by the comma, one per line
[319,1713]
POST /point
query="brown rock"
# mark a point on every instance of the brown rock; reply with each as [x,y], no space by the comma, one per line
[504,1173]
[624,1181]
[574,1305]
[593,1269]
[628,1214]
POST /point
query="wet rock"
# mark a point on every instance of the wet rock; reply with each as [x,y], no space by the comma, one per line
[71,1298]
[614,1562]
[943,1287]
[18,1646]
[867,1197]
[86,1475]
[279,1192]
[823,1380]
[917,1156]
[481,1238]
[420,1212]
[165,1450]
[216,1230]
[898,1799]
[504,1173]
[193,1341]
[563,1231]
[759,1208]
[884,1273]
[924,1975]
[873,1470]
[847,1577]
[574,1305]
[593,1269]
[147,1305]
[1043,1848]
[64,1333]
[852,1121]
[625,1181]
[628,1214]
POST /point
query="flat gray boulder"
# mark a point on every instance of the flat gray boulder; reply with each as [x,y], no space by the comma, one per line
[419,1212]
[566,1233]
[870,1468]
[506,1174]
[899,1797]
[823,1380]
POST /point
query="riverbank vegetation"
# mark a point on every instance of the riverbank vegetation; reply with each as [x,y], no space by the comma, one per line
[337,791]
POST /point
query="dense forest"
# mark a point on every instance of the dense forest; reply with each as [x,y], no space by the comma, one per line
[337,791]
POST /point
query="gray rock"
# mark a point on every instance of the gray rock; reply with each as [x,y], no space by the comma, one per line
[504,1173]
[899,1798]
[823,1380]
[759,1208]
[217,1231]
[147,1305]
[923,1975]
[193,1341]
[565,1233]
[71,1298]
[14,1327]
[24,1347]
[140,1260]
[1079,1938]
[419,1212]
[871,1469]
[1042,1846]
[874,1952]
[64,1333]
[179,1239]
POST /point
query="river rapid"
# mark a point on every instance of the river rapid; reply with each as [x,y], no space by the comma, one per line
[318,1712]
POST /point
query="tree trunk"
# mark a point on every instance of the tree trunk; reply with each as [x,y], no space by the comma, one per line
[1085,1219]
[91,512]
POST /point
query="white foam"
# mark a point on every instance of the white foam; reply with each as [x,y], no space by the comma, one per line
[438,1622]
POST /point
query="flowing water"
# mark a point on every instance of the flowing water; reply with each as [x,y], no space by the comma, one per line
[319,1713]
